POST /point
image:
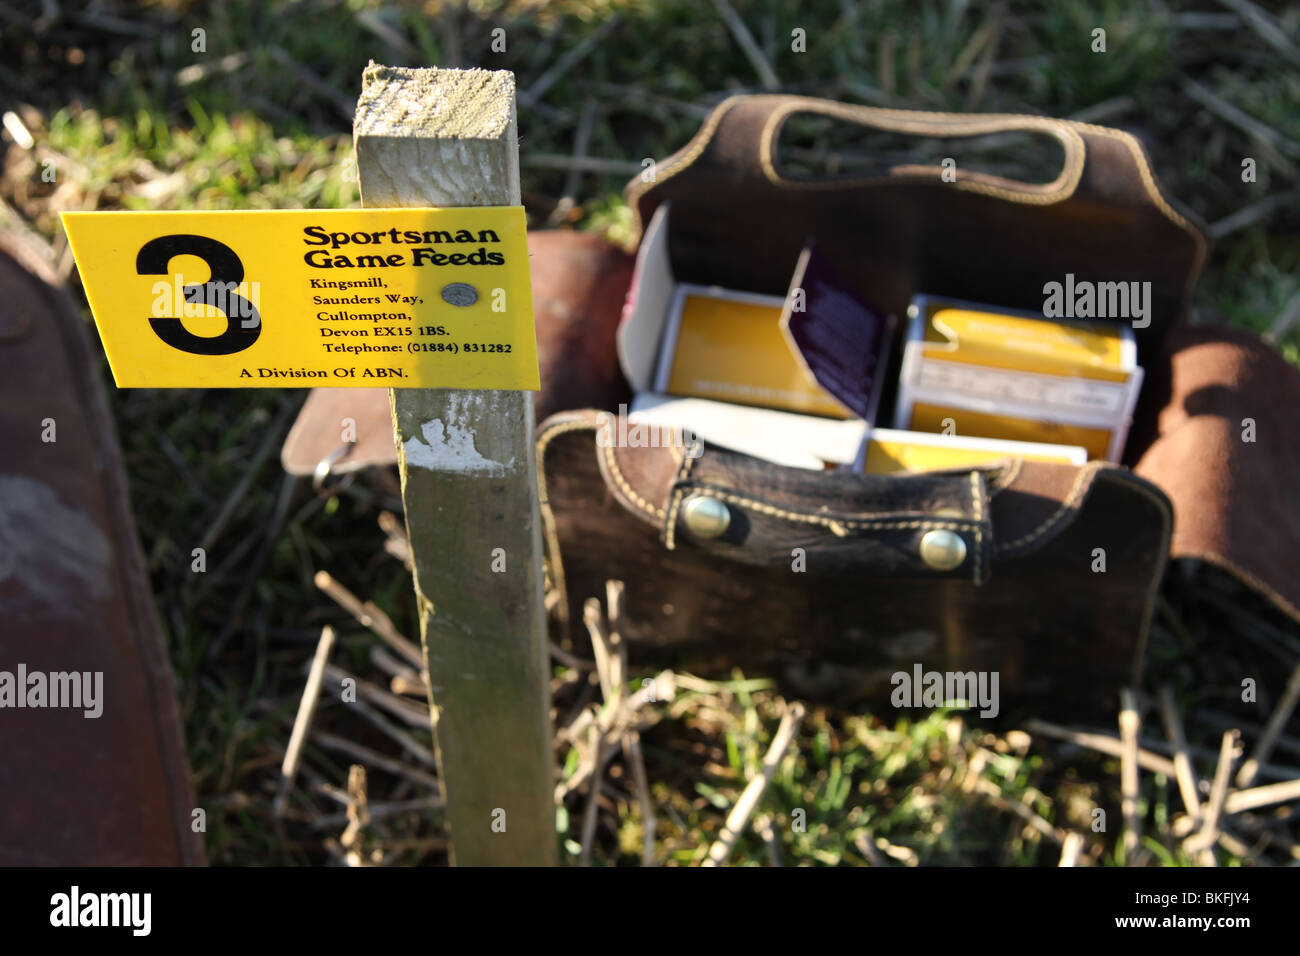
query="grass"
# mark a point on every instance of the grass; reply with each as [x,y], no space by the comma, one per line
[130,116]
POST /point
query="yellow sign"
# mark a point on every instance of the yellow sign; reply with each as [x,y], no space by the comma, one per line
[407,298]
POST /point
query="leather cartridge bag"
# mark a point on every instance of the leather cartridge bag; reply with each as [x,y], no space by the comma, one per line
[832,582]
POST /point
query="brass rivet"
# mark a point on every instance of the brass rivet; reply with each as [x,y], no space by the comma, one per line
[706,517]
[942,550]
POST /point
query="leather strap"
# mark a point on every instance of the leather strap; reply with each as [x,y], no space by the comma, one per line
[739,221]
[870,525]
[843,523]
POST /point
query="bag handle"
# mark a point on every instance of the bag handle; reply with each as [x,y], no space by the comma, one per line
[935,125]
[741,133]
[1103,216]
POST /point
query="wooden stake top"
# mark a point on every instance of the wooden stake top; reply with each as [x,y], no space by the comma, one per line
[435,103]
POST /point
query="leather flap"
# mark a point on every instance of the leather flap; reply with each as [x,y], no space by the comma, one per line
[834,522]
[847,524]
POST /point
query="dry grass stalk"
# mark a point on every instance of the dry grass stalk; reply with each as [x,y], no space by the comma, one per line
[1102,743]
[1224,721]
[371,617]
[396,542]
[421,753]
[377,760]
[601,744]
[748,46]
[1238,848]
[630,718]
[571,661]
[867,847]
[358,814]
[1182,763]
[1071,849]
[990,790]
[410,687]
[1273,143]
[739,816]
[903,854]
[302,722]
[631,739]
[1264,746]
[404,709]
[1129,725]
[1263,23]
[534,93]
[617,649]
[391,666]
[1262,796]
[974,769]
[632,753]
[379,811]
[602,750]
[592,618]
[1199,843]
[613,726]
[764,827]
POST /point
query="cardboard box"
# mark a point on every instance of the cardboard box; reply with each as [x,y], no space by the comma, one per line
[886,451]
[711,362]
[658,356]
[998,373]
[785,438]
[726,345]
[722,344]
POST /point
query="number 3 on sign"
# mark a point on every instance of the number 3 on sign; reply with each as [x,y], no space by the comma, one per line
[219,292]
[174,308]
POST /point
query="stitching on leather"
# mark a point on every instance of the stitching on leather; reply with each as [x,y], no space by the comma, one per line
[1228,566]
[670,524]
[1007,477]
[706,133]
[979,517]
[694,148]
[902,120]
[826,521]
[1153,192]
[624,486]
[1081,483]
[548,517]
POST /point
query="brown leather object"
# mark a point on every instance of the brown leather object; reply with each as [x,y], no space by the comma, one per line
[578,285]
[74,597]
[740,221]
[840,628]
[1028,601]
[1236,500]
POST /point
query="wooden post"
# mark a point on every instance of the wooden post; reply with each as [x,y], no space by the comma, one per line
[436,137]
